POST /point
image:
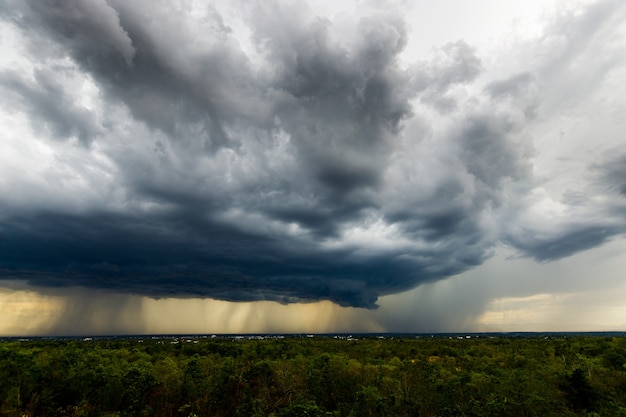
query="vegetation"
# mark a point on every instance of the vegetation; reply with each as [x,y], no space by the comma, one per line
[313,377]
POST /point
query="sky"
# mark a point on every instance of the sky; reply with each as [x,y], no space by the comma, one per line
[293,166]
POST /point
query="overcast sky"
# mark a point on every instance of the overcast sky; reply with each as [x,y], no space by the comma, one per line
[242,166]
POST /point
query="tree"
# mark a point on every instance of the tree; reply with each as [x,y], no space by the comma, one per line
[581,396]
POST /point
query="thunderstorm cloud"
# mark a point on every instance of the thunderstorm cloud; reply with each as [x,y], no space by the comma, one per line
[248,151]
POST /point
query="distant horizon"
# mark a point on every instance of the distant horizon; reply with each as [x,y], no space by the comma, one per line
[195,336]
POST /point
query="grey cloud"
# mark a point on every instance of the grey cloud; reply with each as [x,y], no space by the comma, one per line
[612,174]
[299,174]
[341,107]
[454,64]
[510,87]
[166,94]
[457,63]
[599,223]
[85,24]
[488,152]
[580,52]
[88,24]
[576,238]
[520,88]
[579,55]
[47,103]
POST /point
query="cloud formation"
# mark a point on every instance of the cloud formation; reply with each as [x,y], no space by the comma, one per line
[267,152]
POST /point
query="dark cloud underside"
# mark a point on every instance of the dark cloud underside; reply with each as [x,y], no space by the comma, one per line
[169,256]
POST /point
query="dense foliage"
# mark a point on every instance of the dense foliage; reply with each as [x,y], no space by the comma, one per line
[315,377]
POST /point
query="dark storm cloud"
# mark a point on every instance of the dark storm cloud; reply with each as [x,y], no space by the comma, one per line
[294,166]
[173,256]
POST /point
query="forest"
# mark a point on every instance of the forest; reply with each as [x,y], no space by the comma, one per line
[315,376]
